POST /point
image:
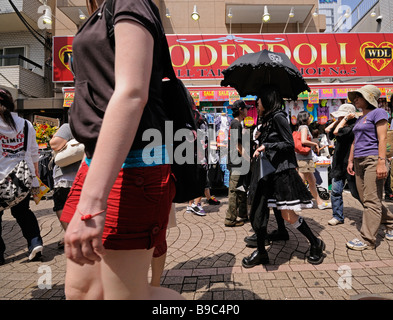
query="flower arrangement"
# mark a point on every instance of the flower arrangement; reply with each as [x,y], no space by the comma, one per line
[44,132]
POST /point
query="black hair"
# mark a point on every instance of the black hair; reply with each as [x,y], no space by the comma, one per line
[271,99]
[7,106]
[237,105]
[302,118]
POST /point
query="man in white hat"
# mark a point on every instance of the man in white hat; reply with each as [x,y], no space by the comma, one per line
[341,131]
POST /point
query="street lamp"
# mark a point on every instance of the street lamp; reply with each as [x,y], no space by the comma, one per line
[290,15]
[266,15]
[82,16]
[230,16]
[315,14]
[167,14]
[195,15]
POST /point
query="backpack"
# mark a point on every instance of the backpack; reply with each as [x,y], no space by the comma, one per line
[190,177]
[299,147]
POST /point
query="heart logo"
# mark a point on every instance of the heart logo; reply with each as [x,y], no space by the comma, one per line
[65,56]
[377,56]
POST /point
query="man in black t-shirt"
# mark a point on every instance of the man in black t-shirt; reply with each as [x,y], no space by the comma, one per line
[237,200]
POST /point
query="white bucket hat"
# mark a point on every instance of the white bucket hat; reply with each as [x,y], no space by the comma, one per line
[369,92]
[344,110]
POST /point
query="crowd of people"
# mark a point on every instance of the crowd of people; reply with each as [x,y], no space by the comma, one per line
[116,212]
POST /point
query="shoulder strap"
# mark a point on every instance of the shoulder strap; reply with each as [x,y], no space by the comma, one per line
[168,68]
[26,134]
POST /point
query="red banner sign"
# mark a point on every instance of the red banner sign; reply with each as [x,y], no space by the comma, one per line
[317,55]
[320,55]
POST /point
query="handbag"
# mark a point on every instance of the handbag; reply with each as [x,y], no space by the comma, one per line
[299,147]
[265,167]
[17,184]
[72,152]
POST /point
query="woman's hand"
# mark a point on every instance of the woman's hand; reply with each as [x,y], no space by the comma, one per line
[382,171]
[350,168]
[83,239]
[258,151]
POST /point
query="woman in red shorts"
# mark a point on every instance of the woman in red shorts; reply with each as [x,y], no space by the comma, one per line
[119,204]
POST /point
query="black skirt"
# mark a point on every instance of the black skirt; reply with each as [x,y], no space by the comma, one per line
[288,191]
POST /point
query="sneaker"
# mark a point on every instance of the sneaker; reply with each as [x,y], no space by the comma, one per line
[358,245]
[36,253]
[213,201]
[189,209]
[389,235]
[201,210]
[325,205]
[334,222]
[197,210]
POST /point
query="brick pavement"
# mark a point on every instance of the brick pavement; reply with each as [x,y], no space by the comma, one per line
[204,260]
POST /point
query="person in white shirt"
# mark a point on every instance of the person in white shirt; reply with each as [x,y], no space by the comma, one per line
[11,147]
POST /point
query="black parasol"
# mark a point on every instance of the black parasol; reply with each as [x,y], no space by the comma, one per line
[253,70]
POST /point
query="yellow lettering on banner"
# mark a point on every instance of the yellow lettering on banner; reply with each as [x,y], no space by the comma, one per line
[296,55]
[186,54]
[246,49]
[197,55]
[324,59]
[224,53]
[343,53]
[286,49]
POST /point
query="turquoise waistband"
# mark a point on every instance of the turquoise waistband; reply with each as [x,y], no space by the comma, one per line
[147,157]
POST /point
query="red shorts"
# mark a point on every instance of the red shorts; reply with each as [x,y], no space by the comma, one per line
[137,209]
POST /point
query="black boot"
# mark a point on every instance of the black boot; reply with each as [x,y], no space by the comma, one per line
[281,233]
[317,246]
[316,253]
[251,241]
[255,259]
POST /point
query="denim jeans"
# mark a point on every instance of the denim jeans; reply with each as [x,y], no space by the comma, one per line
[337,195]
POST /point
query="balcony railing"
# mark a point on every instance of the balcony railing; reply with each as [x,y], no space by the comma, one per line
[5,60]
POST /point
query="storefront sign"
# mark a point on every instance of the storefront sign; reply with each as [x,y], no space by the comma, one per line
[317,55]
[68,94]
[61,53]
[313,96]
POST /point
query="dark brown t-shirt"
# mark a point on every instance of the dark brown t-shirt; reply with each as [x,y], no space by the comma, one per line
[93,66]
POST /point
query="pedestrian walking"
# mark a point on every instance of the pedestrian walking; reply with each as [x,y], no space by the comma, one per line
[12,143]
[367,161]
[118,206]
[237,199]
[341,130]
[283,189]
[63,177]
[305,162]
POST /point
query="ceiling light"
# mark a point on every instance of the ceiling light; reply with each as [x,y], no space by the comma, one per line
[266,15]
[168,14]
[230,15]
[292,13]
[195,14]
[82,16]
[315,13]
[47,18]
[373,14]
[347,13]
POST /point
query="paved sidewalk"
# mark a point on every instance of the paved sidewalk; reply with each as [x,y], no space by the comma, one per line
[204,260]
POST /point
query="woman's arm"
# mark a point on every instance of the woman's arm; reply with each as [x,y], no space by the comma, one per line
[382,127]
[306,142]
[133,67]
[350,160]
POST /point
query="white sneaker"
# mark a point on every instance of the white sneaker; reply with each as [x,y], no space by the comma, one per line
[36,252]
[389,235]
[334,222]
[325,205]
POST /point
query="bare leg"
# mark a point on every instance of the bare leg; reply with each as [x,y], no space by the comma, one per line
[157,267]
[309,176]
[124,277]
[83,282]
